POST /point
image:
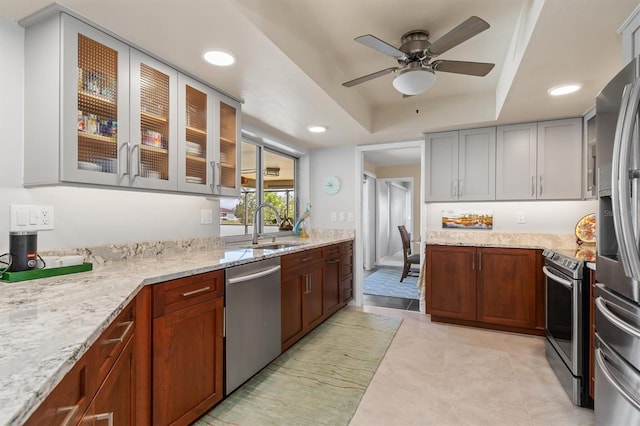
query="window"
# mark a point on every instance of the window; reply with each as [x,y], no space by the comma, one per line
[274,184]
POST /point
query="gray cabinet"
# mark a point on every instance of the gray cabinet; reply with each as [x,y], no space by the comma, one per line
[589,154]
[100,112]
[461,165]
[630,31]
[539,161]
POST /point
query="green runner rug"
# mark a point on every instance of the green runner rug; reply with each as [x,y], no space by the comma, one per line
[320,380]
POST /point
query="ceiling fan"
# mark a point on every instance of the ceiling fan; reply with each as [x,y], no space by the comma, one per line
[415,71]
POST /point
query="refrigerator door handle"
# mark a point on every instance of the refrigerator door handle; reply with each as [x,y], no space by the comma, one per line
[601,305]
[600,361]
[620,201]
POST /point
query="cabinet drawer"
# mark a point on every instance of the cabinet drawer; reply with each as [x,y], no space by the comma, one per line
[68,400]
[107,348]
[331,252]
[307,257]
[182,293]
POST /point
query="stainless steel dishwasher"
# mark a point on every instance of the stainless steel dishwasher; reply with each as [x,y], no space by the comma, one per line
[252,319]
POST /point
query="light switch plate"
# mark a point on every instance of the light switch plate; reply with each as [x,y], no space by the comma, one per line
[206,217]
[27,218]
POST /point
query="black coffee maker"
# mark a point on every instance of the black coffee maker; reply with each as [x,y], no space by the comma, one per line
[23,251]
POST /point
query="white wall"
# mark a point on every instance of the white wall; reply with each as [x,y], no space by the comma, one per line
[83,216]
[549,217]
[337,162]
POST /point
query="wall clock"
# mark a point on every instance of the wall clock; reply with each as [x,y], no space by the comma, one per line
[331,185]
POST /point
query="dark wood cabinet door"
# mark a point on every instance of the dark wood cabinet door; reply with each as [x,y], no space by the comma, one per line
[187,362]
[313,312]
[331,286]
[114,403]
[292,292]
[451,285]
[507,286]
[346,272]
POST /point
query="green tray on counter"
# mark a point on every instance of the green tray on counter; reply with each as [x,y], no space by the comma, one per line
[13,277]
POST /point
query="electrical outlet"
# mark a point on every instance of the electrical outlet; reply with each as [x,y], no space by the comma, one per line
[206,217]
[45,217]
[341,216]
[520,217]
[334,216]
[350,217]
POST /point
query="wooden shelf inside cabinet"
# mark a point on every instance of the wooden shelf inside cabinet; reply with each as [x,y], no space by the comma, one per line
[95,98]
[196,131]
[89,137]
[155,149]
[196,159]
[154,118]
[227,141]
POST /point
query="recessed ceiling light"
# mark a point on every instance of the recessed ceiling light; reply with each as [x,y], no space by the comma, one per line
[219,57]
[564,89]
[317,129]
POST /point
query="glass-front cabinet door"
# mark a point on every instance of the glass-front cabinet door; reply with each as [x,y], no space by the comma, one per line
[228,182]
[153,150]
[96,91]
[196,162]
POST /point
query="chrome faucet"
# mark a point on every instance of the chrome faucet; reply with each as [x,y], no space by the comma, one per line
[254,240]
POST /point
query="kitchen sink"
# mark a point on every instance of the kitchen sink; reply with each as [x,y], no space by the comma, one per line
[272,246]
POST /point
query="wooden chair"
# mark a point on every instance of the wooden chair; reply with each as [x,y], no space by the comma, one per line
[409,259]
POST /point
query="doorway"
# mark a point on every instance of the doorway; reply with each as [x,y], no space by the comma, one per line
[391,195]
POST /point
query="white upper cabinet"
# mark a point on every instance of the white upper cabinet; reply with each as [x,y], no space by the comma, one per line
[540,161]
[442,166]
[630,31]
[154,128]
[516,161]
[461,165]
[560,159]
[100,112]
[589,185]
[477,164]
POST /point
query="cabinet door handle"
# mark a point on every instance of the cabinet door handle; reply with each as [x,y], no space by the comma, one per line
[137,173]
[124,145]
[454,190]
[128,324]
[480,261]
[104,416]
[200,290]
[213,176]
[541,185]
[333,261]
[71,412]
[460,186]
[473,263]
[219,180]
[533,186]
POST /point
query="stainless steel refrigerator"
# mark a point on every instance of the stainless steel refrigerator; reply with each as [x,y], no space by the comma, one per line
[617,322]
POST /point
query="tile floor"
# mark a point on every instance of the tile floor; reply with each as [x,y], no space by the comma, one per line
[440,374]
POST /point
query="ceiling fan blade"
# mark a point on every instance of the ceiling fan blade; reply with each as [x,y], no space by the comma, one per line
[381,46]
[368,77]
[462,32]
[479,69]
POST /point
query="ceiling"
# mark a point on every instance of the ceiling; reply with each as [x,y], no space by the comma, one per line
[293,55]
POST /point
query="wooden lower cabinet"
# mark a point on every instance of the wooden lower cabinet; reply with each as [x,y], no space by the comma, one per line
[115,402]
[497,288]
[187,351]
[346,272]
[506,290]
[332,285]
[301,301]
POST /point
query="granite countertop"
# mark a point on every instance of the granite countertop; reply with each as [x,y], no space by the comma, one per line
[46,325]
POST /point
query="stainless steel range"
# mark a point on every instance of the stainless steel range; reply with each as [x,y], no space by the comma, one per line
[567,324]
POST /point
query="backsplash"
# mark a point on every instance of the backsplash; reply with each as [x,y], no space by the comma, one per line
[118,252]
[504,239]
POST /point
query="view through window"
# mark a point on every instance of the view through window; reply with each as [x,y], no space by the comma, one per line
[274,184]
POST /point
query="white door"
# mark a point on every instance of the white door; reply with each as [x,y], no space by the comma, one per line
[369,221]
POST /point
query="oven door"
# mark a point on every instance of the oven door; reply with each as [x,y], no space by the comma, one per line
[563,315]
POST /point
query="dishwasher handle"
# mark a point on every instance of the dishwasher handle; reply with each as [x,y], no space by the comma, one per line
[253,276]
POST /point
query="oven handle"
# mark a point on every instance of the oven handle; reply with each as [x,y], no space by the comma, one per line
[601,305]
[612,381]
[554,277]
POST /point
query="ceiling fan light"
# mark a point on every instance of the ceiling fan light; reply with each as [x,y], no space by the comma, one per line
[414,81]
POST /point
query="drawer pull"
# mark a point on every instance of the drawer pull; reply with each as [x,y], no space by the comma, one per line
[104,416]
[333,261]
[129,324]
[200,290]
[333,251]
[306,259]
[71,412]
